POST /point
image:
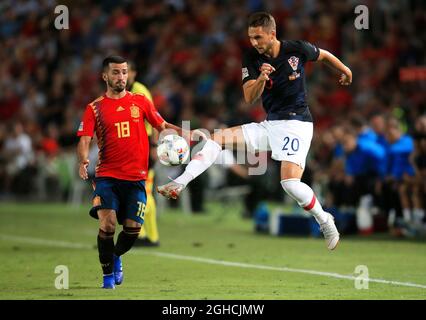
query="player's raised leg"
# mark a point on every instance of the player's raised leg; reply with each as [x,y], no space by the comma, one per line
[291,174]
[228,138]
[107,222]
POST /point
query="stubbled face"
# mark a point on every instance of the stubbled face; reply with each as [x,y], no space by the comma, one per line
[261,39]
[116,76]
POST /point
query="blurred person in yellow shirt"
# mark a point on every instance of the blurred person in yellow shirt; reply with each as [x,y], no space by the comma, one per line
[148,235]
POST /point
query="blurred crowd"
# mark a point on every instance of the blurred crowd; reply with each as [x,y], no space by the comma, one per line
[370,138]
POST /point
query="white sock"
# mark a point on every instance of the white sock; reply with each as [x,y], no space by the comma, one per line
[364,218]
[200,162]
[391,217]
[406,213]
[305,198]
[418,214]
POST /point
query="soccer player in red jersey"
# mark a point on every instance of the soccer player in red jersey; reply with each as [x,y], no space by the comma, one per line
[117,118]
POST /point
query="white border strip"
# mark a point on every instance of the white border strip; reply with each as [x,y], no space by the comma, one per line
[71,245]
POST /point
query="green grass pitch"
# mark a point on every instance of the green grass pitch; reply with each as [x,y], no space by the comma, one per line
[215,255]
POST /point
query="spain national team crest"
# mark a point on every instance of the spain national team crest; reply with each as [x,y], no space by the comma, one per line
[293,62]
[134,111]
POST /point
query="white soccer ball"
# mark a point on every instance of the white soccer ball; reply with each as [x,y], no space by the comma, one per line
[172,150]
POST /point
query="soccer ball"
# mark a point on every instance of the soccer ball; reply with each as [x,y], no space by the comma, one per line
[173,150]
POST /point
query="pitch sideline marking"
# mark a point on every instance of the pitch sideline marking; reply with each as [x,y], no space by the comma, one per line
[71,245]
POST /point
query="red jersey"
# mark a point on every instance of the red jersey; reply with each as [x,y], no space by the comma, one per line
[122,138]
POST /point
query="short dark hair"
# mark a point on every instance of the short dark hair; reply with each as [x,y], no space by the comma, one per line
[262,19]
[350,131]
[112,59]
[357,122]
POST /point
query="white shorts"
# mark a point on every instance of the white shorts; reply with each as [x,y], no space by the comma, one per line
[289,140]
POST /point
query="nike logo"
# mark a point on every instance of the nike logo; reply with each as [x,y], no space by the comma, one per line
[120,108]
[290,154]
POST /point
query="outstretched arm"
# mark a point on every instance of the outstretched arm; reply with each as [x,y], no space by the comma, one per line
[189,134]
[333,62]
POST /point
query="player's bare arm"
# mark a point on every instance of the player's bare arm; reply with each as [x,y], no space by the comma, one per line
[165,125]
[329,59]
[253,89]
[184,133]
[83,156]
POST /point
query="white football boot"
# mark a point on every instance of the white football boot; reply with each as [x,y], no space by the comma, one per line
[171,190]
[330,232]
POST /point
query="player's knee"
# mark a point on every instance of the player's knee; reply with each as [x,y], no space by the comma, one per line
[107,220]
[132,227]
[218,138]
[228,137]
[291,171]
[107,225]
